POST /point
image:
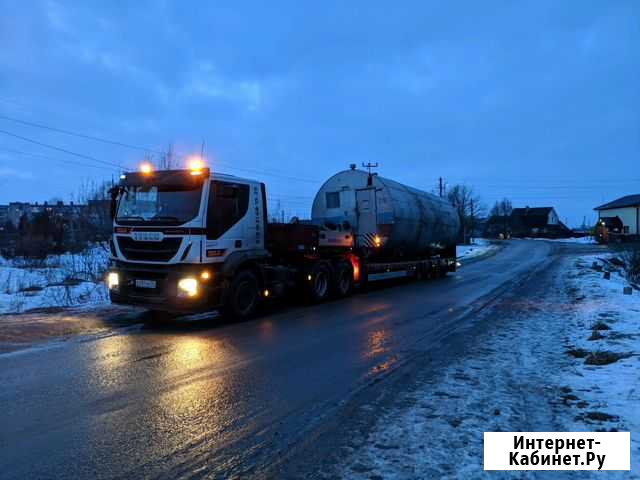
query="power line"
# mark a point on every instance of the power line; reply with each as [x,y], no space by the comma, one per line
[586,185]
[81,135]
[64,150]
[269,174]
[531,182]
[45,157]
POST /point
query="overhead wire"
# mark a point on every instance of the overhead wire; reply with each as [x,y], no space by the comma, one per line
[537,191]
[69,162]
[60,149]
[81,135]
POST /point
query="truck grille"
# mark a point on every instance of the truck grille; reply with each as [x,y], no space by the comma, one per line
[162,251]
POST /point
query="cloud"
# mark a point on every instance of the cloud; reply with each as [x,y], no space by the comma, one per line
[205,82]
[8,172]
[57,16]
[478,92]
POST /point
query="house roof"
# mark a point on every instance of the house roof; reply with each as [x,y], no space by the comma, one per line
[533,212]
[628,201]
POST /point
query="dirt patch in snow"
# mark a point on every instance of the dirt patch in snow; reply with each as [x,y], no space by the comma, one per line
[26,330]
[604,357]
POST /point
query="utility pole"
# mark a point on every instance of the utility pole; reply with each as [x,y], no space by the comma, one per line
[473,221]
[440,187]
[369,166]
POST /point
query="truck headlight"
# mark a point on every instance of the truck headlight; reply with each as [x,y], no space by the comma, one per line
[187,287]
[113,280]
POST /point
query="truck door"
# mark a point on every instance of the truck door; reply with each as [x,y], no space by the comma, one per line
[228,206]
[367,212]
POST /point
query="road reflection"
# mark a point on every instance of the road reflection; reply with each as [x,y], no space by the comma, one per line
[377,343]
[109,370]
[190,351]
[187,401]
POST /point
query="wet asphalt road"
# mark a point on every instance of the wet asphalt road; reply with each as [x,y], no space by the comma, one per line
[207,400]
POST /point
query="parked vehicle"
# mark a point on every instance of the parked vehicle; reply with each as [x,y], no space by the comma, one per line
[188,241]
[609,229]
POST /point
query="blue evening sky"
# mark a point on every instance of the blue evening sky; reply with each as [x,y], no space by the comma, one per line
[538,101]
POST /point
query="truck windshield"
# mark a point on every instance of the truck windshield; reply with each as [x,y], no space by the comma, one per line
[173,205]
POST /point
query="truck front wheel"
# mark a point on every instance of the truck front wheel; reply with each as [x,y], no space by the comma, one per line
[244,296]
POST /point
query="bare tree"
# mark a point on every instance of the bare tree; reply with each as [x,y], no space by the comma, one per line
[499,215]
[469,207]
[93,222]
[631,259]
[167,161]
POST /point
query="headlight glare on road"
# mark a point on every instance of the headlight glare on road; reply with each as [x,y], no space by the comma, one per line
[188,287]
[113,280]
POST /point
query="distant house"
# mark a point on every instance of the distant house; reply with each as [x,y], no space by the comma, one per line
[4,215]
[497,226]
[17,210]
[621,216]
[542,222]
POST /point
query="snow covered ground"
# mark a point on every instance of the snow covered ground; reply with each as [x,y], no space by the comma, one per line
[606,343]
[581,240]
[479,247]
[58,281]
[530,371]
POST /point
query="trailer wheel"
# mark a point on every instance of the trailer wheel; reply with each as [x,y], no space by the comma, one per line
[343,279]
[319,283]
[244,297]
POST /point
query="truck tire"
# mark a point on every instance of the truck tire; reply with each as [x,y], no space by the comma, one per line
[319,283]
[343,283]
[243,298]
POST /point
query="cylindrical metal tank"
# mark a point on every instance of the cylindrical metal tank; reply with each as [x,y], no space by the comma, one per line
[385,215]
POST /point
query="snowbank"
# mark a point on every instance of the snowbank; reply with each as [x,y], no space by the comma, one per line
[581,240]
[479,247]
[606,328]
[58,281]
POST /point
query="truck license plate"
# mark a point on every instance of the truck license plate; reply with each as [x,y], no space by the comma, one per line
[146,283]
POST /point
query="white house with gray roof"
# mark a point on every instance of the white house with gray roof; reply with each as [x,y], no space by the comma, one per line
[627,209]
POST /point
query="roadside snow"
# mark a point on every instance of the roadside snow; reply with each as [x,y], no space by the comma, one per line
[581,240]
[480,246]
[58,281]
[518,376]
[607,325]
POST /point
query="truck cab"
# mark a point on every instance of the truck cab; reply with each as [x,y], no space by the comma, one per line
[179,236]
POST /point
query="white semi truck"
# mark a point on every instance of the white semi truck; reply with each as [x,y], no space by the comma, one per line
[190,241]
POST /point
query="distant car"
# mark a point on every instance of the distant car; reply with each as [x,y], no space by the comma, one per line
[609,229]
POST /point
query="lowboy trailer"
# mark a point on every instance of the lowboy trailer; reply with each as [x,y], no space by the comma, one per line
[189,241]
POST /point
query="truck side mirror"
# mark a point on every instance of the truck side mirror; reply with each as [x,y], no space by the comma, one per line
[114,197]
